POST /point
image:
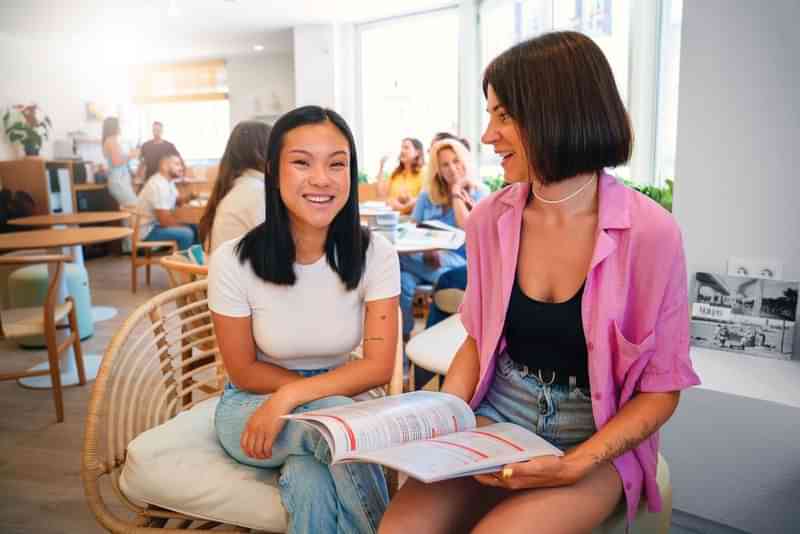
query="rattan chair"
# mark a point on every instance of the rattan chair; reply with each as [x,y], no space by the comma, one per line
[181,270]
[153,250]
[146,380]
[24,322]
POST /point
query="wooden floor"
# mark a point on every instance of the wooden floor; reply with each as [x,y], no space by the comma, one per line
[40,486]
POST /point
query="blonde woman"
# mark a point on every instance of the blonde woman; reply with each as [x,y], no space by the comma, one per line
[405,182]
[449,196]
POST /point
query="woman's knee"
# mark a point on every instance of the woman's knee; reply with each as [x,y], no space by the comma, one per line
[304,482]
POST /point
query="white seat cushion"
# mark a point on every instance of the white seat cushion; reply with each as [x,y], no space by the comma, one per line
[181,466]
[23,322]
[433,349]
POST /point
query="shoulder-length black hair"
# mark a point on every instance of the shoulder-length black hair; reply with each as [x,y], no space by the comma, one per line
[270,247]
[560,90]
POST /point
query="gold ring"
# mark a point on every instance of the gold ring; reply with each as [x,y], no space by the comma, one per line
[507,473]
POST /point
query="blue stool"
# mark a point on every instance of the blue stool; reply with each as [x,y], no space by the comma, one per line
[27,288]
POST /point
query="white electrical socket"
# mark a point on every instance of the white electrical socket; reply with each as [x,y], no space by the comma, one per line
[755,267]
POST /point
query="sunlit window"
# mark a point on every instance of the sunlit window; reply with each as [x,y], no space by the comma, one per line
[408,83]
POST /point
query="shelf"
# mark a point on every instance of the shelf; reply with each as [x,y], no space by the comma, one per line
[89,187]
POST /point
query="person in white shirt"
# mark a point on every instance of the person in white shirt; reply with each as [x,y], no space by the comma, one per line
[155,204]
[236,204]
[290,300]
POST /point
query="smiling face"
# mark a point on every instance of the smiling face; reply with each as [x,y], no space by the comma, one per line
[314,174]
[451,168]
[504,135]
[407,152]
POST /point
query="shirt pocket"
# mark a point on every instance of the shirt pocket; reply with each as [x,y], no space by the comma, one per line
[630,354]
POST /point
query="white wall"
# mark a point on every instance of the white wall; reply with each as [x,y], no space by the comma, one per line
[733,456]
[260,85]
[59,80]
[314,65]
[737,190]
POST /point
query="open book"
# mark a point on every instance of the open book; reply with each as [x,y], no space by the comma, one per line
[430,436]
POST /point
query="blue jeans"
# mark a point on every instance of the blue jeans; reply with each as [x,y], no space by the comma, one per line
[452,279]
[320,498]
[184,235]
[559,413]
[414,271]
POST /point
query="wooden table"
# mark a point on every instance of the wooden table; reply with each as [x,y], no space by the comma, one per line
[60,238]
[100,313]
[71,219]
[189,214]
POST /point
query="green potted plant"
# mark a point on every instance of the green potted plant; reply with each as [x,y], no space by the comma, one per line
[28,126]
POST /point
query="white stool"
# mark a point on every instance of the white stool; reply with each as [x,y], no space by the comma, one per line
[433,349]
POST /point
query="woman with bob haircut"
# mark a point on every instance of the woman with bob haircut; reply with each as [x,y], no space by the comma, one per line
[290,300]
[576,307]
[404,184]
[449,195]
[237,201]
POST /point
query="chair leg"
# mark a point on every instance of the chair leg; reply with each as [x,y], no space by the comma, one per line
[76,345]
[147,268]
[133,273]
[55,373]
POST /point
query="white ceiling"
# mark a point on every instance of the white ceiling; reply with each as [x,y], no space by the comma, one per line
[202,28]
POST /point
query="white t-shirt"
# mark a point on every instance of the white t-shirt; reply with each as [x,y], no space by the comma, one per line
[313,324]
[159,193]
[241,210]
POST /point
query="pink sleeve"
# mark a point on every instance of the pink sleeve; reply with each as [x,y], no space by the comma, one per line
[471,305]
[670,368]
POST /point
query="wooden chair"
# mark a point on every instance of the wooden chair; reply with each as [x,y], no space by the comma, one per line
[367,192]
[142,388]
[153,250]
[23,322]
[181,270]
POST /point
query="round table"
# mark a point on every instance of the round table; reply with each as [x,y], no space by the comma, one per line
[60,238]
[99,313]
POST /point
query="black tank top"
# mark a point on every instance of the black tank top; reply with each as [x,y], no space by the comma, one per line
[547,336]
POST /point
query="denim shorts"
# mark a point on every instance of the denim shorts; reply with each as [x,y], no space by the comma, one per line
[560,414]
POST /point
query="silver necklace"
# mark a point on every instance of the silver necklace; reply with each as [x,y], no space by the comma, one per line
[571,195]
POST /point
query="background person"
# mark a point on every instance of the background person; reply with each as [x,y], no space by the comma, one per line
[156,203]
[405,183]
[237,204]
[152,152]
[119,174]
[452,191]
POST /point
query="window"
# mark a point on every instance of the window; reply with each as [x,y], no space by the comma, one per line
[191,100]
[408,83]
[648,88]
[667,120]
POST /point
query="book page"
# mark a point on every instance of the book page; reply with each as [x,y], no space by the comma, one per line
[380,423]
[481,450]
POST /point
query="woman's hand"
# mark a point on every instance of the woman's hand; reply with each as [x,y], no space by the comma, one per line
[464,197]
[264,426]
[432,259]
[541,472]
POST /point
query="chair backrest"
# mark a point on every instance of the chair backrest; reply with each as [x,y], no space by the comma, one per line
[367,192]
[181,270]
[134,221]
[51,298]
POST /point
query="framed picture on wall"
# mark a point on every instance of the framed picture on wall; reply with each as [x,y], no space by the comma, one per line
[744,314]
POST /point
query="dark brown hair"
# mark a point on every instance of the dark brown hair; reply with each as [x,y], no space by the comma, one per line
[560,90]
[246,149]
[110,128]
[418,162]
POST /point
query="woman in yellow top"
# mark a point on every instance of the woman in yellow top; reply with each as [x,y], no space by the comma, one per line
[405,183]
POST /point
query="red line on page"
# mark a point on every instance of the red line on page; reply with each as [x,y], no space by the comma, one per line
[470,449]
[350,435]
[455,423]
[498,438]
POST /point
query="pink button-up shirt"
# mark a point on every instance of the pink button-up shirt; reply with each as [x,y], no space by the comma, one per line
[635,308]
